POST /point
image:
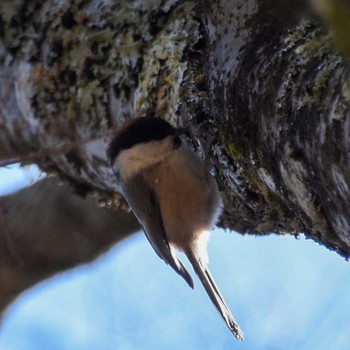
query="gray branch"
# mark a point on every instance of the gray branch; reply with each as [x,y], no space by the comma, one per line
[46,228]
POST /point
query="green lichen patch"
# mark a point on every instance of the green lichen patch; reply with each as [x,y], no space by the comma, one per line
[233,151]
[337,15]
[164,66]
[346,91]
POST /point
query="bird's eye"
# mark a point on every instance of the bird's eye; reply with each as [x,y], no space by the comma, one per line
[177,142]
[117,174]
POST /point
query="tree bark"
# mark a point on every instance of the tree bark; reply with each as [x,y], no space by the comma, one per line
[260,80]
[280,99]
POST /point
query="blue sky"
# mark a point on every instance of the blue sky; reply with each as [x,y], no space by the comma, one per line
[285,294]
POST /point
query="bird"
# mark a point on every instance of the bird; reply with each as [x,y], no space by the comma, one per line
[173,195]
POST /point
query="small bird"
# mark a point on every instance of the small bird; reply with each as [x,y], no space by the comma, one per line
[173,195]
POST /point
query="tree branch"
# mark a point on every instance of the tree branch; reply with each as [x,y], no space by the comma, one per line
[46,228]
[278,94]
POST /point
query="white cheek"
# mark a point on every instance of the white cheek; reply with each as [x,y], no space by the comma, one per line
[142,156]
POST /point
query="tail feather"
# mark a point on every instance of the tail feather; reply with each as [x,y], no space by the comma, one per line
[214,294]
[181,270]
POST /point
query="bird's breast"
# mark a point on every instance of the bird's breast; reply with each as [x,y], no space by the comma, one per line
[186,197]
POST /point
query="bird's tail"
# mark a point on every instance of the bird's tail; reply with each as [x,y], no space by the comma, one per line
[214,294]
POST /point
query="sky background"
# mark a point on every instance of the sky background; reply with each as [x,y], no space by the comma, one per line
[285,293]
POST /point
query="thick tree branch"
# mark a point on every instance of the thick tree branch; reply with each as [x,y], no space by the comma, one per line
[279,96]
[47,228]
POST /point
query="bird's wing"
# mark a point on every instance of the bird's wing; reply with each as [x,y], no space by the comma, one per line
[143,201]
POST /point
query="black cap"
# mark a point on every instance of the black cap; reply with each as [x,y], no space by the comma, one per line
[139,130]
